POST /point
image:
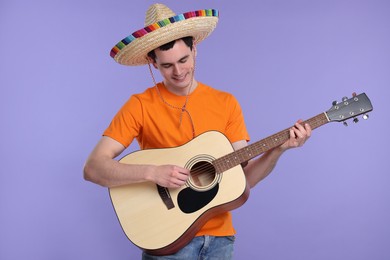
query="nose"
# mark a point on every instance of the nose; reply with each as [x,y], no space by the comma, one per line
[177,69]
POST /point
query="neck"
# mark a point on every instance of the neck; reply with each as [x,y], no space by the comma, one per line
[183,91]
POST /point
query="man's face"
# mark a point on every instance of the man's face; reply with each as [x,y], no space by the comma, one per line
[176,66]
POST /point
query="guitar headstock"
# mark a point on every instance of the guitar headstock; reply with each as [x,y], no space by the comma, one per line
[350,108]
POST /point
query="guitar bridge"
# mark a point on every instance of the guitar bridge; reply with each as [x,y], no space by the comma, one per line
[165,196]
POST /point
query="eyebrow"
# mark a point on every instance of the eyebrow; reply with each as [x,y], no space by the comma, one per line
[168,63]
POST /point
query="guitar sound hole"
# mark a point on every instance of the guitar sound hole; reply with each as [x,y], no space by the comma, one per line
[202,174]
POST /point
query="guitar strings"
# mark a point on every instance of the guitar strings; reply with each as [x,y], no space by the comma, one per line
[207,170]
[210,167]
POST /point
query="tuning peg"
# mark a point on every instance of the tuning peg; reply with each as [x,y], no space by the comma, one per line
[344,99]
[354,94]
[334,103]
[345,123]
[365,116]
[355,120]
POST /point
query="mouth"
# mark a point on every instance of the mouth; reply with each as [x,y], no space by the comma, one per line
[180,78]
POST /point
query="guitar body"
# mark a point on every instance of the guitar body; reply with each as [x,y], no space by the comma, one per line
[161,221]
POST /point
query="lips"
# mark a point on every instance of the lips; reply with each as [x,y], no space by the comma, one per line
[181,78]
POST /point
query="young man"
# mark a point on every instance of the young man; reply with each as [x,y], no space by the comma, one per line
[172,113]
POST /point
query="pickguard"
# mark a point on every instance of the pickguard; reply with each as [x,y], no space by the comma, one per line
[190,200]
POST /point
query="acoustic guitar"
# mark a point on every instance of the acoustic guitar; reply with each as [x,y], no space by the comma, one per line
[161,221]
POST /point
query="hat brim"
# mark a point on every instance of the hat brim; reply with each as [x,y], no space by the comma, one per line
[133,50]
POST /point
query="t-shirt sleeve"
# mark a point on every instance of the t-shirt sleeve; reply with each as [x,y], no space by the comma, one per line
[126,124]
[236,128]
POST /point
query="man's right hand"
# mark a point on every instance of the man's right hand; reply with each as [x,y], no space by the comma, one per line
[170,176]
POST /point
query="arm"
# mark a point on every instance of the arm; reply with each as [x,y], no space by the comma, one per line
[101,168]
[258,169]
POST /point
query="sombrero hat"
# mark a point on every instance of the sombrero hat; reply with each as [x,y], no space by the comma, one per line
[162,25]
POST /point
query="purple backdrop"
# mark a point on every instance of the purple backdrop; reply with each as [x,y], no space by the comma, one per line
[283,60]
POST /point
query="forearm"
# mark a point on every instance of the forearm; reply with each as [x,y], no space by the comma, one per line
[259,168]
[109,172]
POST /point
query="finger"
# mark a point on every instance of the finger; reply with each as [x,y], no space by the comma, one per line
[185,172]
[174,185]
[305,128]
[178,183]
[298,133]
[182,170]
[182,177]
[308,129]
[293,137]
[292,133]
[174,182]
[300,127]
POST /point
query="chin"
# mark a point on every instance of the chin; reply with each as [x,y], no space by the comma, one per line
[182,84]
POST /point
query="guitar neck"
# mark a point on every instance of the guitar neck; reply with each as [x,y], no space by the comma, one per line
[245,154]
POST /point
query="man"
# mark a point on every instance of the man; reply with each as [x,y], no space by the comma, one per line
[172,113]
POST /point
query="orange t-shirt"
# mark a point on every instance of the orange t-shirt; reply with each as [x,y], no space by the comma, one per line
[158,124]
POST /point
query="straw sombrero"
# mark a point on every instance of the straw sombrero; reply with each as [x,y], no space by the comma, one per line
[162,25]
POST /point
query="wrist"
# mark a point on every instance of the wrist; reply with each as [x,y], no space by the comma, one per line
[280,149]
[149,173]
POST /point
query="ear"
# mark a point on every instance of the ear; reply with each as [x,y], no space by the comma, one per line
[151,61]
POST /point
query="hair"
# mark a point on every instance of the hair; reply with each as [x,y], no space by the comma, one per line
[188,40]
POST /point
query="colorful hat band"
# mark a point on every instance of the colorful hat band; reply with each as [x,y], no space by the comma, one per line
[162,23]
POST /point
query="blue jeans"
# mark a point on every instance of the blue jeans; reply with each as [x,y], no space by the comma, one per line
[201,248]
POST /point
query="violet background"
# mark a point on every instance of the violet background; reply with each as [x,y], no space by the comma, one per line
[283,60]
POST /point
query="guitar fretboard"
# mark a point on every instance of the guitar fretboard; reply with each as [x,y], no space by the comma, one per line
[246,153]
